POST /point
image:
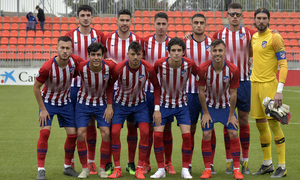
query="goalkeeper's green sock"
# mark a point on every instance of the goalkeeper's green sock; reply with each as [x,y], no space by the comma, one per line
[265,139]
[279,140]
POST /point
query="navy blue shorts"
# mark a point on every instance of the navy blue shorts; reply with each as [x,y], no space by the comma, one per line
[244,96]
[137,113]
[83,114]
[181,113]
[194,106]
[218,115]
[73,95]
[65,114]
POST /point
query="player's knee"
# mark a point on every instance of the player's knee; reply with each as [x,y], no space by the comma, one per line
[81,134]
[206,135]
[233,134]
[105,133]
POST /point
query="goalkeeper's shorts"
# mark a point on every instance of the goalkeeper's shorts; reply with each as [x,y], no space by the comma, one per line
[258,92]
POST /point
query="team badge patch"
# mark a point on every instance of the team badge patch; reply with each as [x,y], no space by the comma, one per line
[72,69]
[282,55]
[207,47]
[225,79]
[105,77]
[142,77]
[183,73]
[243,36]
[94,39]
[264,44]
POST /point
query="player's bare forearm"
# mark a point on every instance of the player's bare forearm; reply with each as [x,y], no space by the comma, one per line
[233,97]
[201,95]
[109,112]
[37,94]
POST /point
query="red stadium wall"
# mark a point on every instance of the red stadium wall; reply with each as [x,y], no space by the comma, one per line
[293,78]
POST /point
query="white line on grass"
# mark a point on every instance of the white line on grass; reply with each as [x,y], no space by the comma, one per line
[289,122]
[291,90]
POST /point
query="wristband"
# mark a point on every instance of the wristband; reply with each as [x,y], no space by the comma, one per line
[156,108]
[280,87]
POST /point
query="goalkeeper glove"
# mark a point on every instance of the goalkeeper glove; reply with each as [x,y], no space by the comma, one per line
[282,113]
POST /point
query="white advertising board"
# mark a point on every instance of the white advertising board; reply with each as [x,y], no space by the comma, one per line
[18,76]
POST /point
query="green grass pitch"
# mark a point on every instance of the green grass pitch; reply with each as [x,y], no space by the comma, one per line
[19,132]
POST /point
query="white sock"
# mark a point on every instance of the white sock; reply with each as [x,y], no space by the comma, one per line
[161,169]
[89,161]
[235,168]
[66,166]
[229,160]
[185,169]
[245,159]
[41,168]
[282,166]
[267,162]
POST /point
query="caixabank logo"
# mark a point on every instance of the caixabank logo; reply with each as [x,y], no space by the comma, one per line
[17,76]
[7,76]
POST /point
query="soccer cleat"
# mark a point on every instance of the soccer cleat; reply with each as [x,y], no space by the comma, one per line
[279,173]
[159,174]
[102,173]
[186,174]
[41,175]
[116,174]
[206,174]
[70,172]
[237,174]
[212,169]
[169,168]
[264,169]
[131,168]
[84,173]
[245,167]
[109,168]
[190,168]
[92,168]
[229,167]
[139,173]
[146,167]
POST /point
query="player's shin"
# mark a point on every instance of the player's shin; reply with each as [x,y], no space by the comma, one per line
[206,153]
[70,145]
[42,147]
[159,148]
[105,153]
[245,140]
[235,152]
[144,143]
[186,150]
[116,143]
[265,140]
[279,140]
[82,153]
[132,141]
[91,139]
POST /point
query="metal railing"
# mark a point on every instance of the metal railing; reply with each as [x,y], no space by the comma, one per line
[68,8]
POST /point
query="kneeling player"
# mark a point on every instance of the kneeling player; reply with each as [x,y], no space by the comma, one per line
[94,99]
[132,75]
[218,83]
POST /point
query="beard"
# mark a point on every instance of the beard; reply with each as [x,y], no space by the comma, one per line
[261,27]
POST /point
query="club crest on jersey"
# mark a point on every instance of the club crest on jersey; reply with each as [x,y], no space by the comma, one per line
[105,77]
[264,44]
[166,48]
[94,39]
[183,73]
[76,42]
[243,36]
[207,47]
[72,69]
[142,77]
[225,79]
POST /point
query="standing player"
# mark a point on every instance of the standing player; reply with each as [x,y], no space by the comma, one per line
[82,37]
[268,53]
[155,47]
[117,47]
[132,75]
[237,39]
[218,83]
[94,99]
[173,72]
[54,99]
[197,49]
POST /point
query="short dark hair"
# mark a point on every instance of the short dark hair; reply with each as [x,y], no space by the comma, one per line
[199,15]
[176,41]
[235,5]
[37,7]
[124,12]
[95,47]
[135,46]
[64,38]
[217,42]
[262,10]
[161,15]
[84,7]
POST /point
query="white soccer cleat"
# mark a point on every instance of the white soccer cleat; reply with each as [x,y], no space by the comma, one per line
[102,173]
[159,174]
[84,173]
[185,173]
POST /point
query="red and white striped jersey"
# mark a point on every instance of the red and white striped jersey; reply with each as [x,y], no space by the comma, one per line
[199,52]
[153,51]
[238,48]
[131,83]
[116,47]
[218,85]
[80,44]
[95,87]
[57,80]
[173,81]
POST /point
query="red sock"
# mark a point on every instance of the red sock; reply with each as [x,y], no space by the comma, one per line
[168,145]
[116,143]
[105,153]
[42,147]
[132,142]
[192,144]
[159,148]
[150,146]
[213,145]
[144,142]
[82,151]
[91,138]
[70,145]
[235,151]
[186,150]
[206,152]
[245,140]
[227,144]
